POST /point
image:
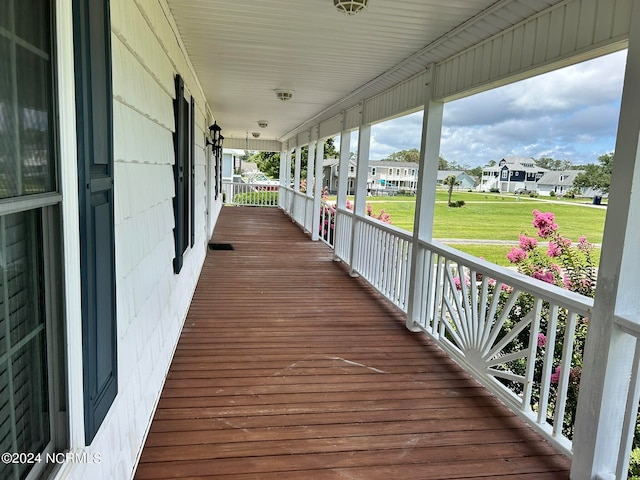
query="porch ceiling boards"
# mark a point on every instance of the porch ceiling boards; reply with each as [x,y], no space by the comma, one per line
[242,50]
[287,368]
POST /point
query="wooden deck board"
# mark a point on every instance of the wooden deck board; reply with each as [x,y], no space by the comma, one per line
[287,368]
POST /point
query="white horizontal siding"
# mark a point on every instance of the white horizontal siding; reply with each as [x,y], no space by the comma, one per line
[562,34]
[152,302]
[331,126]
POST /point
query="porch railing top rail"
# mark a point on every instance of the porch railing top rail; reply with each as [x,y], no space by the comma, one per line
[578,303]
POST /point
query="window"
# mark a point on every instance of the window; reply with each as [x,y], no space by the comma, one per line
[183,141]
[29,251]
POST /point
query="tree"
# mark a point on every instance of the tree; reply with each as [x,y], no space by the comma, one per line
[595,176]
[269,162]
[474,172]
[442,163]
[551,164]
[411,155]
[451,182]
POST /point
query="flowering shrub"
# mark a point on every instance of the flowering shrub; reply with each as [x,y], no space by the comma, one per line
[554,259]
[568,266]
[328,216]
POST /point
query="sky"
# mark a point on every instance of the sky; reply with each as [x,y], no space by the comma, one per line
[569,114]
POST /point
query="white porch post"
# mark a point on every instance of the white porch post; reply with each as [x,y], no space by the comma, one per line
[343,167]
[297,168]
[283,179]
[360,195]
[311,159]
[425,194]
[317,189]
[609,351]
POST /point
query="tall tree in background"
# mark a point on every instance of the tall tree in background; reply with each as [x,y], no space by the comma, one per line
[596,176]
[551,164]
[269,162]
[411,155]
[450,182]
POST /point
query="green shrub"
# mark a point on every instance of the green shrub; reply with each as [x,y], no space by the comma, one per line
[256,198]
[552,193]
[494,190]
[457,203]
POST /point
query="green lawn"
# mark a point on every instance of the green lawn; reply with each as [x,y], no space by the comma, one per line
[495,217]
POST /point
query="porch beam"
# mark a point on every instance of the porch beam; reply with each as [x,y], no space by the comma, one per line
[425,193]
[609,350]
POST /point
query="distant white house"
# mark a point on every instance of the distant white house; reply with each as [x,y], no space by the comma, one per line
[561,182]
[466,181]
[510,174]
[231,162]
[392,176]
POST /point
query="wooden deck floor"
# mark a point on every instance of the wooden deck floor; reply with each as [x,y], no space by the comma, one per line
[288,368]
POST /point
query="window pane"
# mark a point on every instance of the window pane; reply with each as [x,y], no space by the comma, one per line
[8,145]
[26,164]
[34,111]
[24,404]
[4,22]
[32,22]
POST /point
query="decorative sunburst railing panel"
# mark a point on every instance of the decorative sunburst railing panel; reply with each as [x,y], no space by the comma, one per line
[515,333]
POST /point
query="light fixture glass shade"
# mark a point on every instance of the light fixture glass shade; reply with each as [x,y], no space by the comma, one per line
[350,7]
[255,134]
[283,95]
[263,123]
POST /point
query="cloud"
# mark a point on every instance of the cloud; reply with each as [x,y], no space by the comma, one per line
[568,114]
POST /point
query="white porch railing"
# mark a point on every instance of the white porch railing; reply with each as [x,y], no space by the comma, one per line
[514,333]
[299,209]
[382,256]
[249,194]
[342,239]
[520,337]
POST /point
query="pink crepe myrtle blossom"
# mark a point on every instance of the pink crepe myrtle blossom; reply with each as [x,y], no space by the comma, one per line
[583,244]
[458,283]
[516,255]
[554,249]
[545,223]
[555,376]
[542,340]
[527,243]
[544,276]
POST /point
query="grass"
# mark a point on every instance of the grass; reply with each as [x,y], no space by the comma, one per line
[487,216]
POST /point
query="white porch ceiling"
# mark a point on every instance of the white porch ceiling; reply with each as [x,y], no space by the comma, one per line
[244,49]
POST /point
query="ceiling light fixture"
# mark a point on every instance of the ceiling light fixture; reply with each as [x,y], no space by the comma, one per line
[255,134]
[350,7]
[263,123]
[283,95]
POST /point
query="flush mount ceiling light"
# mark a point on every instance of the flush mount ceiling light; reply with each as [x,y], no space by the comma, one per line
[255,134]
[263,123]
[350,7]
[283,95]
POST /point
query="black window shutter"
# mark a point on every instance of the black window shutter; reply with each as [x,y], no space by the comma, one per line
[94,111]
[181,173]
[192,161]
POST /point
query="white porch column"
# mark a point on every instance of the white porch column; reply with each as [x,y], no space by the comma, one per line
[360,195]
[282,177]
[609,351]
[311,167]
[296,171]
[317,189]
[425,194]
[343,167]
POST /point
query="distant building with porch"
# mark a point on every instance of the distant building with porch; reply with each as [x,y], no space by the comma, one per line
[561,182]
[510,174]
